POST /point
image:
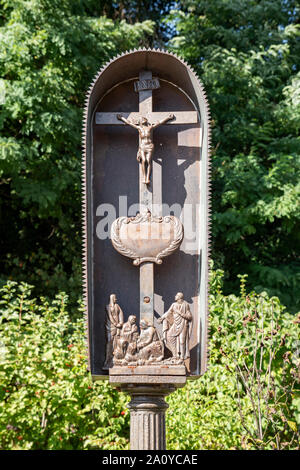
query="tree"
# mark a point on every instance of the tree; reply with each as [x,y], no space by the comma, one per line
[247,53]
[141,10]
[50,51]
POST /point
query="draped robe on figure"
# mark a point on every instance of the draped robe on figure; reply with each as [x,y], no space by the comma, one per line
[181,327]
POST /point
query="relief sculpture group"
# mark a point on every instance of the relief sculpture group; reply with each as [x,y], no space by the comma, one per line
[126,345]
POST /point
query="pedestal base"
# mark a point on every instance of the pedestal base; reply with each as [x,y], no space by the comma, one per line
[148,386]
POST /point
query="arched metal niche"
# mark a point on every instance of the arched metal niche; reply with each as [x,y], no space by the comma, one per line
[123,69]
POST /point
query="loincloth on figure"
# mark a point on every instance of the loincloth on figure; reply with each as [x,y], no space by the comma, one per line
[144,148]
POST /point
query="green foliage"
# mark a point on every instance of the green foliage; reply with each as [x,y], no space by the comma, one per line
[50,51]
[247,53]
[138,11]
[218,411]
[47,400]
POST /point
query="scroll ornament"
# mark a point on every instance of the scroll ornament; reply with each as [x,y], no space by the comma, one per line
[146,237]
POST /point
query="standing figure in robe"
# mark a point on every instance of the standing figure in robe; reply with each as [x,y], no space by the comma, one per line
[177,326]
[113,325]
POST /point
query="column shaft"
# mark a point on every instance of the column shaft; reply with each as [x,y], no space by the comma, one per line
[147,422]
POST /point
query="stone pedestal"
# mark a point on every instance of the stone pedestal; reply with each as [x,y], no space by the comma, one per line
[148,386]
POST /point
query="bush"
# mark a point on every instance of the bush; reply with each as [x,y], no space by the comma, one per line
[47,400]
[248,398]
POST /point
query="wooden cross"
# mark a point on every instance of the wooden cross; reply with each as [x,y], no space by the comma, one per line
[148,200]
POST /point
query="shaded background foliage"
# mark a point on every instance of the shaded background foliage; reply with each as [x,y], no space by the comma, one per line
[50,51]
[247,54]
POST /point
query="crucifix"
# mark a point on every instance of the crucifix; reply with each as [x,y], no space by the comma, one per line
[145,121]
[143,359]
[146,146]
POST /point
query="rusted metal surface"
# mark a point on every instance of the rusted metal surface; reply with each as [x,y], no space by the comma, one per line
[173,74]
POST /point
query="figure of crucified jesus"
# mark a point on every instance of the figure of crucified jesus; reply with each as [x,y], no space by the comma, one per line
[146,146]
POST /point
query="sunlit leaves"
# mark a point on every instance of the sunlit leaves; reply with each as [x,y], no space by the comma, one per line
[47,398]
